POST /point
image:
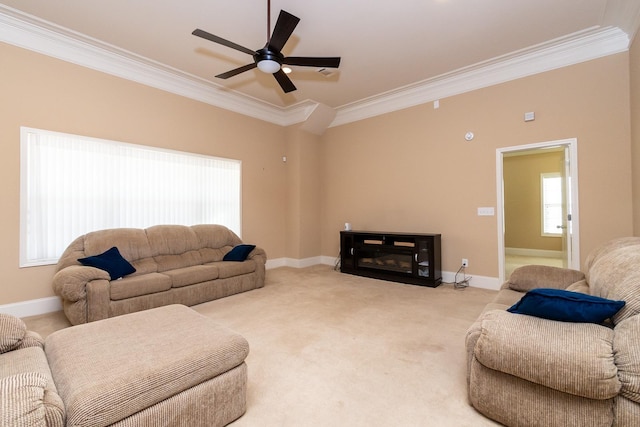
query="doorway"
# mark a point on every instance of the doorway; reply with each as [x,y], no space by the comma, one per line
[537,205]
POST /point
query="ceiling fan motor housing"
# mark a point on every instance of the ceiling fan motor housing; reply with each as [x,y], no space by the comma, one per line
[267,60]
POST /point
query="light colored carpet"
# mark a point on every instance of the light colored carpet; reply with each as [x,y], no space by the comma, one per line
[331,349]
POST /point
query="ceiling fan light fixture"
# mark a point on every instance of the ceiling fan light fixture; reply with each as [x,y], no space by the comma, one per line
[268,66]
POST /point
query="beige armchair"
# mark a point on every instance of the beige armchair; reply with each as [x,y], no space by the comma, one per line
[530,371]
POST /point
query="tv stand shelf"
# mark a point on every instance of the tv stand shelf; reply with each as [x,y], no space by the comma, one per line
[400,257]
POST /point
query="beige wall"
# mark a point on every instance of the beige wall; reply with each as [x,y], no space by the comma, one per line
[42,92]
[523,200]
[412,170]
[409,170]
[303,189]
[635,129]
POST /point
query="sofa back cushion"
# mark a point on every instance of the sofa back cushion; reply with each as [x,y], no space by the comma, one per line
[615,275]
[605,248]
[155,249]
[174,246]
[131,242]
[215,241]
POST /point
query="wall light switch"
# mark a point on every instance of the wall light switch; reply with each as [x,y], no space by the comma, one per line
[530,116]
[487,211]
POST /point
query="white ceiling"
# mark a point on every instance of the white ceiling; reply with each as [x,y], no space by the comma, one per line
[384,46]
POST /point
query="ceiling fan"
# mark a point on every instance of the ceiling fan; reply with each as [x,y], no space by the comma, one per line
[269,59]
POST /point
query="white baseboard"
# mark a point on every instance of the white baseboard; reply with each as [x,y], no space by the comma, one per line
[50,304]
[32,307]
[483,282]
[541,253]
[300,263]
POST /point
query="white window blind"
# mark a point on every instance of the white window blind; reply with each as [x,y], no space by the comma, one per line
[71,185]
[551,185]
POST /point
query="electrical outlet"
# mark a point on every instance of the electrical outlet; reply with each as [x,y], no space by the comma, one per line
[465,262]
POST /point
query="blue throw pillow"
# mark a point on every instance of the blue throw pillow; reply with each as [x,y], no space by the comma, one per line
[238,253]
[566,306]
[110,261]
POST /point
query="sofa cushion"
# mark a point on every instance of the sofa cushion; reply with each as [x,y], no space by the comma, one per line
[566,306]
[172,262]
[190,275]
[110,261]
[12,330]
[232,268]
[582,286]
[507,297]
[22,400]
[133,286]
[239,253]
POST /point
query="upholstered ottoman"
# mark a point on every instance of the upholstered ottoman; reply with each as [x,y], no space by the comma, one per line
[168,366]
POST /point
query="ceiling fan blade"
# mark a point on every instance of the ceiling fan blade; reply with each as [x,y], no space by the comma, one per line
[306,61]
[285,83]
[237,71]
[201,33]
[285,25]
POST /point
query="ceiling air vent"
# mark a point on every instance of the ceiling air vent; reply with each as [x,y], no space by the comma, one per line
[327,72]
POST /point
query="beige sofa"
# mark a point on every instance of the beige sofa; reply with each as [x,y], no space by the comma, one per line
[530,371]
[173,264]
[166,366]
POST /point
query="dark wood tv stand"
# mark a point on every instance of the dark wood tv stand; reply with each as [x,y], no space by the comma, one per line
[399,257]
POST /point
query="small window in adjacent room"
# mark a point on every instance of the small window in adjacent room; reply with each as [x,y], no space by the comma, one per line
[551,192]
[71,185]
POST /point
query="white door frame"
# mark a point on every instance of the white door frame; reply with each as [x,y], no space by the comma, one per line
[573,228]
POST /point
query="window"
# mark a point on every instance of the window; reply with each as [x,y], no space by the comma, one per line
[552,221]
[71,185]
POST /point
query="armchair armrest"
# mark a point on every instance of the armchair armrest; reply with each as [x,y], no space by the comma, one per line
[530,277]
[70,282]
[575,358]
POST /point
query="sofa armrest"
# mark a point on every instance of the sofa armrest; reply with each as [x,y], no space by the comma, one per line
[14,334]
[22,399]
[70,282]
[31,339]
[529,277]
[258,254]
[575,358]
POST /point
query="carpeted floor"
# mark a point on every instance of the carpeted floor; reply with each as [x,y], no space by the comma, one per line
[331,349]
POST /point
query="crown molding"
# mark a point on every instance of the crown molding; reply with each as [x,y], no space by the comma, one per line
[573,49]
[32,33]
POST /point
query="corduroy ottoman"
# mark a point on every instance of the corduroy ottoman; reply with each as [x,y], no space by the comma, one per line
[168,366]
